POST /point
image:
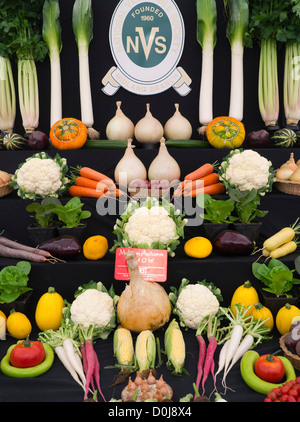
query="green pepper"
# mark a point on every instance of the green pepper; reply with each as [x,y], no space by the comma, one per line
[31,372]
[256,383]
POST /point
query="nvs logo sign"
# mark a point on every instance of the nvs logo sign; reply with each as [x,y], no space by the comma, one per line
[146,40]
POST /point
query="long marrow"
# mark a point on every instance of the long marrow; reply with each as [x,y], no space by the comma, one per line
[105,144]
[191,143]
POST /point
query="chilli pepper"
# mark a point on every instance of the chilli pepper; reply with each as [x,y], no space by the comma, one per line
[32,372]
[27,354]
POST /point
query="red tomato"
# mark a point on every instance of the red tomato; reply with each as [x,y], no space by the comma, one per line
[27,354]
[269,368]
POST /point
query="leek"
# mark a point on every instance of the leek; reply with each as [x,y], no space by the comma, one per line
[52,37]
[207,38]
[7,96]
[83,31]
[236,30]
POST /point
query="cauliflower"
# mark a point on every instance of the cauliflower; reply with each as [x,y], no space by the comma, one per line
[192,302]
[40,176]
[247,170]
[149,224]
[92,307]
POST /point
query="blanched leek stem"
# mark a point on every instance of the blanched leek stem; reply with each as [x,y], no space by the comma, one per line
[85,89]
[291,87]
[268,93]
[236,108]
[206,88]
[56,95]
[7,96]
[28,94]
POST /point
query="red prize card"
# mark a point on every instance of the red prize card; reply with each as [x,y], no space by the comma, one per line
[152,264]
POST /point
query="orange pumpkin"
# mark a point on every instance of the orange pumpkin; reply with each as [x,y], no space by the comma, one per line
[68,133]
[225,132]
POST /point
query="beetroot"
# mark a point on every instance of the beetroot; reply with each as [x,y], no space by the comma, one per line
[38,140]
[231,242]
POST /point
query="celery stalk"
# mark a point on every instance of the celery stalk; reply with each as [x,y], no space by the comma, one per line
[291,85]
[7,96]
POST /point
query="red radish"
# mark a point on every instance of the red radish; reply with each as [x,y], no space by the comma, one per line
[84,361]
[211,348]
[90,357]
[202,353]
[97,374]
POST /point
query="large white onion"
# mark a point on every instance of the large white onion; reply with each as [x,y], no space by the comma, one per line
[164,167]
[178,126]
[130,167]
[148,130]
[143,305]
[120,127]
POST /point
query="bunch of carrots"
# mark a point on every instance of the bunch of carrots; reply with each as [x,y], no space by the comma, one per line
[93,184]
[202,180]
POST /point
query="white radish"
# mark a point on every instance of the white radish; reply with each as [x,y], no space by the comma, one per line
[243,347]
[222,356]
[61,353]
[234,342]
[73,356]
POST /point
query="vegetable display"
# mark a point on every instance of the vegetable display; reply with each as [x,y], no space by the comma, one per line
[181,328]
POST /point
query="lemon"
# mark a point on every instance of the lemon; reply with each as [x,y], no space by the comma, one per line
[3,315]
[198,247]
[18,325]
[95,247]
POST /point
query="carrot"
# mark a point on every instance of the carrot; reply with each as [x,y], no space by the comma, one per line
[21,254]
[95,175]
[19,246]
[202,171]
[83,191]
[208,180]
[284,249]
[90,183]
[283,236]
[215,189]
[180,188]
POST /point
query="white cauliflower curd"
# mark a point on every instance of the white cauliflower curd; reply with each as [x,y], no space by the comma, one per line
[151,225]
[195,302]
[41,177]
[247,170]
[92,307]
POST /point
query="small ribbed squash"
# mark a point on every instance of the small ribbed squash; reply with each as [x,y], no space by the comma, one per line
[225,132]
[285,316]
[261,312]
[68,133]
[48,312]
[245,295]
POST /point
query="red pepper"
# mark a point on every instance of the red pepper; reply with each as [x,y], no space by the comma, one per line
[27,354]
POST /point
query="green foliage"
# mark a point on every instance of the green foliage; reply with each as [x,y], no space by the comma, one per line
[274,19]
[13,281]
[246,205]
[276,276]
[71,213]
[43,211]
[217,210]
[20,28]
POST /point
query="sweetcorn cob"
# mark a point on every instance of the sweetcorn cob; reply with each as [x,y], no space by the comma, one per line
[175,347]
[123,346]
[145,350]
